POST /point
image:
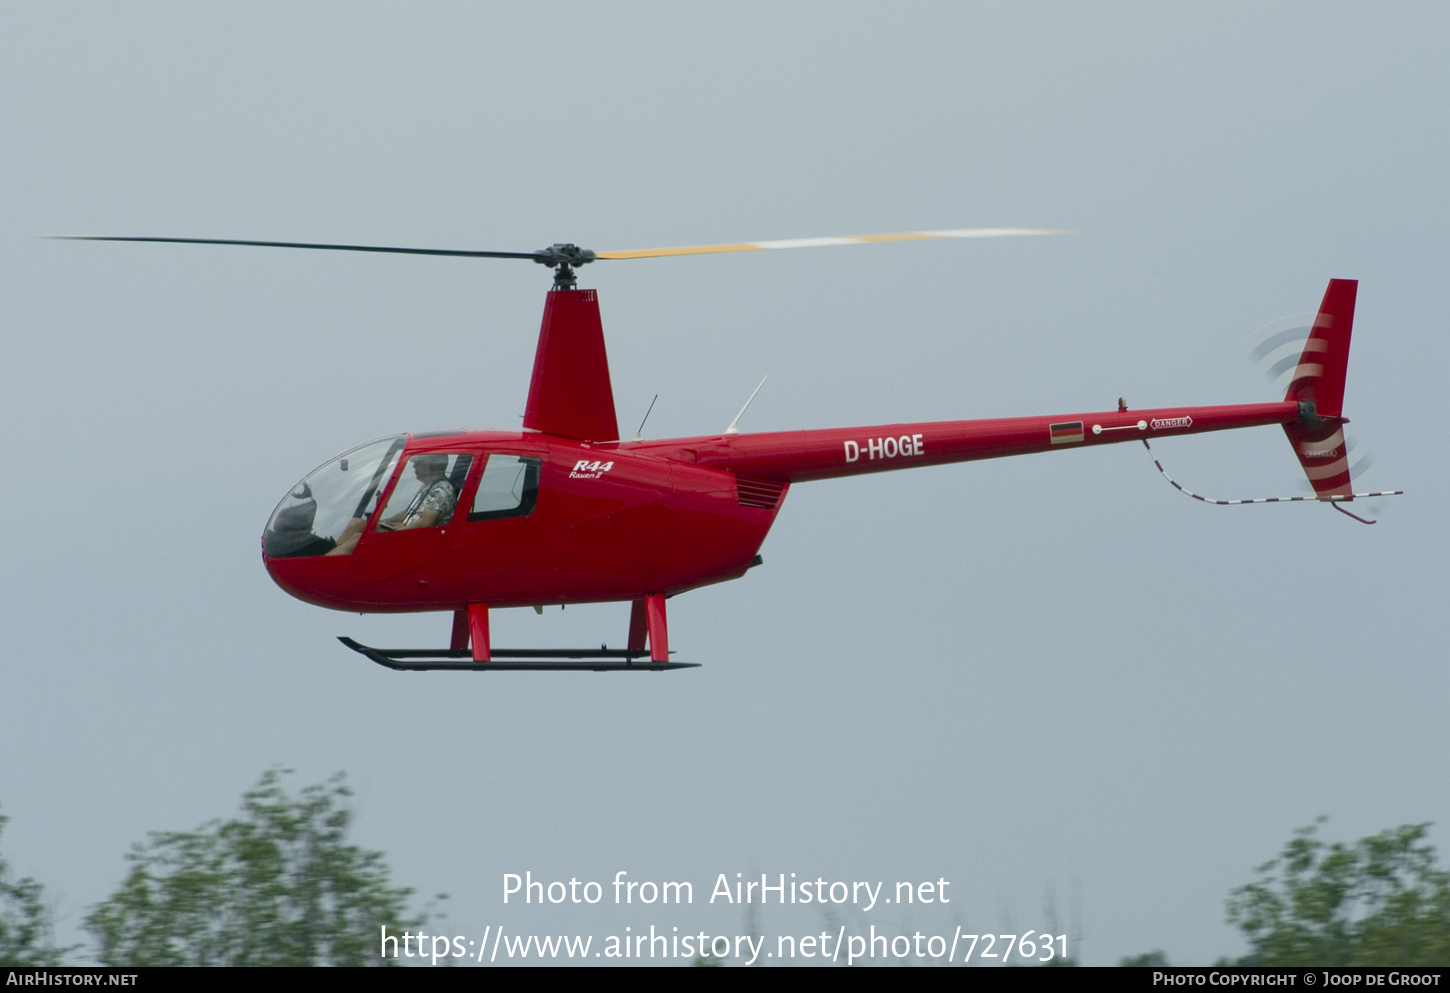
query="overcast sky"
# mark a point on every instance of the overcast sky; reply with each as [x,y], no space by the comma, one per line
[1087,702]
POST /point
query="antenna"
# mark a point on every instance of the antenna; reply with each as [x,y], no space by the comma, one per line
[639,435]
[732,428]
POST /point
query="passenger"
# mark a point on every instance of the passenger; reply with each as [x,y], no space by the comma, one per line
[434,502]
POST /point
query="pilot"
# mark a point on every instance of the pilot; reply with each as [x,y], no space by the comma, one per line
[434,502]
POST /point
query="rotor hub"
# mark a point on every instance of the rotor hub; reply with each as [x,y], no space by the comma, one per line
[564,259]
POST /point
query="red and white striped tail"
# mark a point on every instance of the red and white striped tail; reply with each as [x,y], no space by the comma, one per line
[1323,454]
[1320,373]
[1318,386]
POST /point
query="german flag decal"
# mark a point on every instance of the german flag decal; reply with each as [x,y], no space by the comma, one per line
[1067,433]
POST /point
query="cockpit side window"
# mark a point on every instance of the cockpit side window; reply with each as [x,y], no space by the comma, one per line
[509,488]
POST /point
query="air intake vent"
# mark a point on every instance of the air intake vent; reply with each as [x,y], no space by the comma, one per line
[763,493]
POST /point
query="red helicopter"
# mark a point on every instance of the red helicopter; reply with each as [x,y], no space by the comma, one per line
[565,511]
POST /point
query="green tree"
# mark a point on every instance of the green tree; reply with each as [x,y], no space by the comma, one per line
[278,886]
[1380,901]
[25,926]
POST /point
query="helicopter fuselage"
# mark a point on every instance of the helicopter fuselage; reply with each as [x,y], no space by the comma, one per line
[619,520]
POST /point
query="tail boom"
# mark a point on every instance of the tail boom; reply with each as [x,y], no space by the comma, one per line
[1310,415]
[800,456]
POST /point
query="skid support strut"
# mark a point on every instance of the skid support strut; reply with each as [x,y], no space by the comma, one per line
[478,631]
[659,638]
[638,628]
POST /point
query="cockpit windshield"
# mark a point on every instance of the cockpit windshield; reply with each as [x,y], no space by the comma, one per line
[333,503]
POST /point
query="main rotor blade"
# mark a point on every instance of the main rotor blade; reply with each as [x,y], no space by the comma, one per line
[755,246]
[299,244]
[570,255]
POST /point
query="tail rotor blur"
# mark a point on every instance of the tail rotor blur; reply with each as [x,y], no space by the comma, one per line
[1274,349]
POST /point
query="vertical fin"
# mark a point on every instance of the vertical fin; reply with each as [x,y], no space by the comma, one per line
[1321,451]
[1322,365]
[570,394]
[1318,386]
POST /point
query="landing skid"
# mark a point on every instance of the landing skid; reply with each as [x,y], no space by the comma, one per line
[504,659]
